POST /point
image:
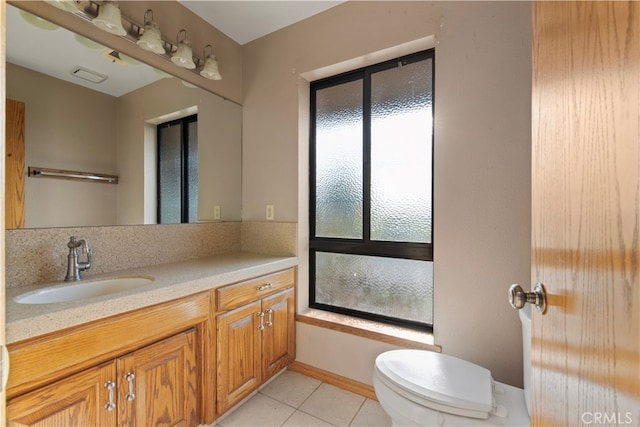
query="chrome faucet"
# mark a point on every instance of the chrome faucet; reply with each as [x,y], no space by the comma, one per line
[74,267]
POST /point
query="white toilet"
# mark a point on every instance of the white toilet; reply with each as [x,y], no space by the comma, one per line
[424,388]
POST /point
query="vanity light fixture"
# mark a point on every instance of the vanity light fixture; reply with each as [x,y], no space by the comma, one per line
[109,19]
[151,39]
[106,15]
[210,70]
[184,54]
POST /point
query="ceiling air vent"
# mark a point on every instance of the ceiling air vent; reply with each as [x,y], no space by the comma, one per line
[87,74]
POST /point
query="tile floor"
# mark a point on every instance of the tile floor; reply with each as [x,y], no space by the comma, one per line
[295,400]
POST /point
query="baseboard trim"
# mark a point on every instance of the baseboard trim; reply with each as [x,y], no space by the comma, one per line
[334,379]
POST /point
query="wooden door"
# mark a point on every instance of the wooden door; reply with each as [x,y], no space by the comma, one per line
[238,351]
[278,345]
[14,164]
[158,384]
[586,213]
[75,401]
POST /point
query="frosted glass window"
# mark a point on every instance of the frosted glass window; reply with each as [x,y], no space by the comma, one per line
[371,163]
[178,171]
[170,167]
[192,171]
[390,287]
[401,129]
[339,161]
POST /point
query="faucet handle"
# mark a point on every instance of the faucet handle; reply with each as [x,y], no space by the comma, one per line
[89,254]
[82,266]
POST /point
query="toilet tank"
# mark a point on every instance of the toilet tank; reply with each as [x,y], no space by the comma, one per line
[525,318]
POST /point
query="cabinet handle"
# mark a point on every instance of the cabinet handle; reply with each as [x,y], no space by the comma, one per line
[129,376]
[110,405]
[261,324]
[263,287]
[270,317]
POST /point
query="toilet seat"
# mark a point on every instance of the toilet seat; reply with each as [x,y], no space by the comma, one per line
[438,381]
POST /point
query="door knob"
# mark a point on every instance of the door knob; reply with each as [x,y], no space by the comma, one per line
[538,297]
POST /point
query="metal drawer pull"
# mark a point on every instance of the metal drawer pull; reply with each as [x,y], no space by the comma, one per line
[263,287]
[270,317]
[129,376]
[110,405]
[261,324]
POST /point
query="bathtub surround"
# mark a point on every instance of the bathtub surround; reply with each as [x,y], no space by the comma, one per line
[40,255]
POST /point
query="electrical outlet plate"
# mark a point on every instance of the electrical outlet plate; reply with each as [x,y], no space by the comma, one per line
[216,212]
[270,213]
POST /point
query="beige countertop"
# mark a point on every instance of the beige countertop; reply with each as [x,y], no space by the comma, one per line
[171,281]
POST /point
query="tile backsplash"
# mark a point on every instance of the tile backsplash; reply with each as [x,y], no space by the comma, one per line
[40,255]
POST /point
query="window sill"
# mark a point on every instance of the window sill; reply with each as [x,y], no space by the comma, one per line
[396,335]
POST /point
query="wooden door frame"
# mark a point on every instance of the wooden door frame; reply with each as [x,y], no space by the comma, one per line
[3,73]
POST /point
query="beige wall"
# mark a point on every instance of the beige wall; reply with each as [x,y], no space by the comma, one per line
[482,161]
[59,134]
[483,182]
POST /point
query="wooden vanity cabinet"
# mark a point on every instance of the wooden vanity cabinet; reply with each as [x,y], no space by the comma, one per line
[158,384]
[162,383]
[75,401]
[151,386]
[238,348]
[255,335]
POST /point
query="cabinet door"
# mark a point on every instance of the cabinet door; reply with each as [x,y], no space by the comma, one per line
[163,389]
[278,346]
[238,354]
[79,400]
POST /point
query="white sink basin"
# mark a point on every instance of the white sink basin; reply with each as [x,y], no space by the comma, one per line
[82,290]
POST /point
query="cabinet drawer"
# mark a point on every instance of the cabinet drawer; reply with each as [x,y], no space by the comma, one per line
[233,296]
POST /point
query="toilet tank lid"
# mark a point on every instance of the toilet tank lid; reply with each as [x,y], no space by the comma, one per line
[439,378]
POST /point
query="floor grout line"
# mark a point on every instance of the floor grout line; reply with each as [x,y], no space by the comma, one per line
[297,408]
[358,411]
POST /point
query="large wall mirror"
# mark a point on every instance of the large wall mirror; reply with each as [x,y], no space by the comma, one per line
[74,124]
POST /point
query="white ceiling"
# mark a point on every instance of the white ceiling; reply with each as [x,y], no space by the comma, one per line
[56,52]
[247,20]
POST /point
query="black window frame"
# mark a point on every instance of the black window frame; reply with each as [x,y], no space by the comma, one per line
[364,246]
[184,166]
